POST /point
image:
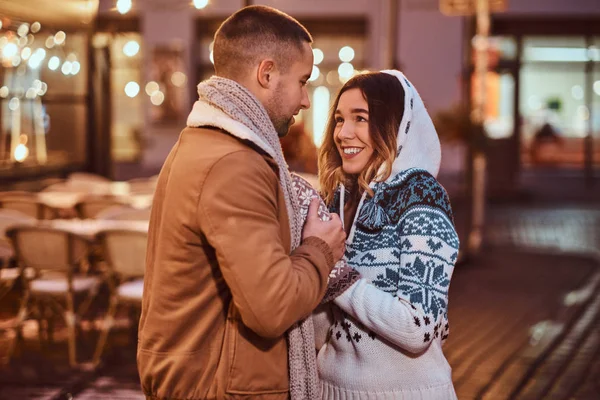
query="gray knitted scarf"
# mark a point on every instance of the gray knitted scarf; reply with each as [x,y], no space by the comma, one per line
[241,105]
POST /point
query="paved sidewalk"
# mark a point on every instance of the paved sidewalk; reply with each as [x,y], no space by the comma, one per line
[524,316]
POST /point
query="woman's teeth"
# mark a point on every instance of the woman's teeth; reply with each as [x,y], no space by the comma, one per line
[352,150]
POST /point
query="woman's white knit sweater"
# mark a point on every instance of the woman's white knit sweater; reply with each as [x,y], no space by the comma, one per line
[382,338]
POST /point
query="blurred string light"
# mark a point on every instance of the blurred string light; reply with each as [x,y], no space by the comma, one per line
[131,48]
[23,30]
[4,92]
[132,89]
[315,74]
[346,54]
[14,104]
[333,78]
[26,53]
[151,88]
[318,56]
[597,87]
[53,63]
[345,71]
[9,50]
[200,4]
[21,152]
[123,6]
[60,37]
[50,42]
[178,79]
[66,68]
[157,98]
[321,98]
[31,93]
[75,67]
[35,27]
[36,58]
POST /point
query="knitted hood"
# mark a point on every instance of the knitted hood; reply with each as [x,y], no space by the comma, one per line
[417,140]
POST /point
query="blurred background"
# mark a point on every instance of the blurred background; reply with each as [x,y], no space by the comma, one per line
[94,93]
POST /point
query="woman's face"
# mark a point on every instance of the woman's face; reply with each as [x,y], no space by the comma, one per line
[351,133]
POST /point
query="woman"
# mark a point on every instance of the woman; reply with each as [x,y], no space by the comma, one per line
[382,337]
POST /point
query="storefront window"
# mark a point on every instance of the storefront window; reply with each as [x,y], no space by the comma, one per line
[552,101]
[128,93]
[43,95]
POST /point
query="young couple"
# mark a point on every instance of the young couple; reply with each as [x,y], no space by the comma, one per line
[247,274]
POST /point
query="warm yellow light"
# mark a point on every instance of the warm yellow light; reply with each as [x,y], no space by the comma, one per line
[332,78]
[35,27]
[60,37]
[21,152]
[31,93]
[151,88]
[50,42]
[23,30]
[4,92]
[157,98]
[44,89]
[178,78]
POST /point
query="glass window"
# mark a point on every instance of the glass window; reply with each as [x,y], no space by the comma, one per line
[552,101]
[43,95]
[128,93]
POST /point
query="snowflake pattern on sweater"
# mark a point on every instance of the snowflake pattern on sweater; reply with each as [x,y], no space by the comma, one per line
[404,244]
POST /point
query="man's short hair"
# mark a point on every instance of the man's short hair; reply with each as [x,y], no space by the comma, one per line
[254,33]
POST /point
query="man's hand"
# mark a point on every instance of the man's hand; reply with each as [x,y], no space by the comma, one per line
[331,232]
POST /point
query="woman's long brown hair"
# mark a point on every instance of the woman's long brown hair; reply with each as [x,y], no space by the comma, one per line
[385,97]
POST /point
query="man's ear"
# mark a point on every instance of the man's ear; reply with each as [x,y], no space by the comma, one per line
[265,72]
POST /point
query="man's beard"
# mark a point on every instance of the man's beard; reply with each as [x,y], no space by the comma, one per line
[282,126]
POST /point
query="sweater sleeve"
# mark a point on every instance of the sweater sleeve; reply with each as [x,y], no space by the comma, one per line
[408,306]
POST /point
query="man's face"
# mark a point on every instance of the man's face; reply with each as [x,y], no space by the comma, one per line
[290,94]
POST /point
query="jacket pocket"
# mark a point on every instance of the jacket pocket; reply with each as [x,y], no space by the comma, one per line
[171,375]
[258,365]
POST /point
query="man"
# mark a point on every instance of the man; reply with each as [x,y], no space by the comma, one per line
[229,266]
